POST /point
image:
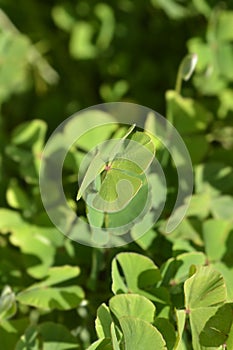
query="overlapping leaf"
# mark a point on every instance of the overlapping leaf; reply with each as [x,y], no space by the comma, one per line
[205,294]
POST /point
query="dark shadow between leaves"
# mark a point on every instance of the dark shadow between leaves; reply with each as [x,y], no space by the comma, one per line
[228,256]
[217,328]
[71,299]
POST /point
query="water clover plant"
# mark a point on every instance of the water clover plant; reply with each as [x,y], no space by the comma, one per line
[118,173]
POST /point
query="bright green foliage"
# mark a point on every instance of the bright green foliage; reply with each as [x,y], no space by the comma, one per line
[136,321]
[47,295]
[138,333]
[163,291]
[132,305]
[204,293]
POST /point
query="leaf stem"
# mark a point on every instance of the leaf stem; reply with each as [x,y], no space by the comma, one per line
[178,81]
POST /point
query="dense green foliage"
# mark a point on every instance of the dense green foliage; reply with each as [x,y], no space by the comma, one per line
[163,291]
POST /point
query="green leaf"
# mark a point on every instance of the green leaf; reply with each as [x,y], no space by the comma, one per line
[203,52]
[50,335]
[10,332]
[167,330]
[59,274]
[134,213]
[217,328]
[172,8]
[30,134]
[188,115]
[7,304]
[115,342]
[181,317]
[29,340]
[222,207]
[14,49]
[225,26]
[215,234]
[97,163]
[38,247]
[146,240]
[229,341]
[198,147]
[215,178]
[206,288]
[139,275]
[92,127]
[119,186]
[132,305]
[97,135]
[224,56]
[176,270]
[62,17]
[139,149]
[26,148]
[95,168]
[223,135]
[151,127]
[185,70]
[57,337]
[209,79]
[204,292]
[17,197]
[195,209]
[226,272]
[49,295]
[188,65]
[95,217]
[105,14]
[10,220]
[226,103]
[103,322]
[198,320]
[115,92]
[203,7]
[139,334]
[121,173]
[101,344]
[81,45]
[189,229]
[138,271]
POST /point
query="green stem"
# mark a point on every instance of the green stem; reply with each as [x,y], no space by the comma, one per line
[178,81]
[97,258]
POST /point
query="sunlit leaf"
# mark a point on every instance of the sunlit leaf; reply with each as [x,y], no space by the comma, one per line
[132,305]
[141,334]
[49,295]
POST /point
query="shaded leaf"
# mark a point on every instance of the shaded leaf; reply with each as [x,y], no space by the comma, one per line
[103,322]
[167,330]
[217,328]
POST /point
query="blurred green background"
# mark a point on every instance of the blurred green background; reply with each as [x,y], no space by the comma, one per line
[58,57]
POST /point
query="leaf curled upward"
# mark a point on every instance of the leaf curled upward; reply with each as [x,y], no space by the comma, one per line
[186,69]
[188,65]
[122,175]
